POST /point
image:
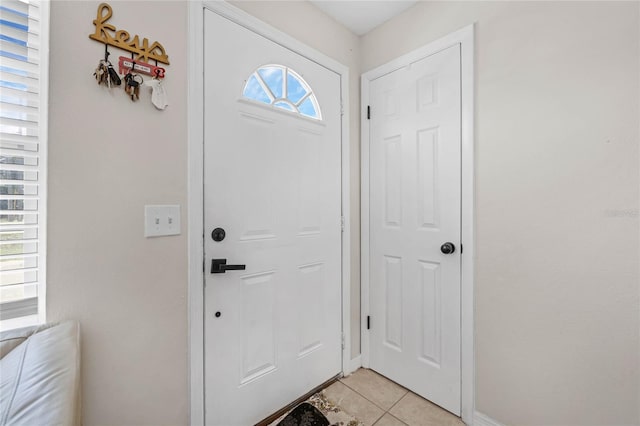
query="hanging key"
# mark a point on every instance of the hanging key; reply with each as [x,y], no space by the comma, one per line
[132,85]
[102,74]
[114,78]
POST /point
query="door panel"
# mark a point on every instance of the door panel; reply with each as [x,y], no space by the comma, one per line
[415,208]
[273,183]
[393,297]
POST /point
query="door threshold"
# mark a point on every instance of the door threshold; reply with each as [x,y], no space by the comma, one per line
[273,417]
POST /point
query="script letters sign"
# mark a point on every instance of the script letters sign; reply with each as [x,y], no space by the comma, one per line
[107,34]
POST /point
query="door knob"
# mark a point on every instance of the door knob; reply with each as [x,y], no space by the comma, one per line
[447,248]
[218,234]
[219,266]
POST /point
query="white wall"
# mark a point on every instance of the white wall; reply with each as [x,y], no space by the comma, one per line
[557,202]
[108,157]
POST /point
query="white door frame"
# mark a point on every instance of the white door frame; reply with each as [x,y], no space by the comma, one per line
[196,231]
[465,38]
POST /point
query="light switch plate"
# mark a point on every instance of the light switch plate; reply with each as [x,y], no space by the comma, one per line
[160,221]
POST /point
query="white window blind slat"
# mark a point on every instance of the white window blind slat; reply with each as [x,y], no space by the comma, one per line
[19,114]
[13,238]
[18,261]
[22,155]
[34,13]
[28,289]
[11,248]
[18,6]
[23,232]
[20,173]
[33,41]
[11,18]
[20,189]
[25,276]
[18,159]
[11,174]
[18,127]
[18,182]
[12,110]
[12,73]
[19,53]
[14,32]
[18,216]
[8,156]
[26,204]
[10,79]
[19,235]
[19,97]
[18,143]
[27,69]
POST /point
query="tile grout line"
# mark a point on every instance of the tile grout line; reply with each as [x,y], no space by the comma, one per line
[384,411]
[403,423]
[397,402]
[368,398]
[404,395]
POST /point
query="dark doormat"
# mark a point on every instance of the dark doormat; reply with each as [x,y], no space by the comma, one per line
[331,412]
[304,414]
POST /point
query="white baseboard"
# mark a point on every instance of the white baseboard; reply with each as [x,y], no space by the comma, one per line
[353,365]
[480,419]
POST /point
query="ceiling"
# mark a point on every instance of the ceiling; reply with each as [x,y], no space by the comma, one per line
[361,16]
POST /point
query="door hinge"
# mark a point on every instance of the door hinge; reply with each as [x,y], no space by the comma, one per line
[461,248]
[368,112]
[342,340]
[368,322]
[342,223]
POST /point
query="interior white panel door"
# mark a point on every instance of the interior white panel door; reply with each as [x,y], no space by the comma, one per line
[273,183]
[415,134]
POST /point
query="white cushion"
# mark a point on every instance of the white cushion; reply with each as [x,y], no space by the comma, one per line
[40,378]
[9,339]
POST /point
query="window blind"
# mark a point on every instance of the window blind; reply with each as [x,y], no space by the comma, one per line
[23,90]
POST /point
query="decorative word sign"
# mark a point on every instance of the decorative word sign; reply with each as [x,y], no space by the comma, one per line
[107,34]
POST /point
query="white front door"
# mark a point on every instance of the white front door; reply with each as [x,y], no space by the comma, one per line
[415,156]
[272,173]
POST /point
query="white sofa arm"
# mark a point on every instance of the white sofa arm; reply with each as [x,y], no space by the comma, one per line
[40,378]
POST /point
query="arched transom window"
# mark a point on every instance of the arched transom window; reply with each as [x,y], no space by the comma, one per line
[282,87]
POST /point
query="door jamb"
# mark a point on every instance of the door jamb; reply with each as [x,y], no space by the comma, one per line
[196,184]
[465,38]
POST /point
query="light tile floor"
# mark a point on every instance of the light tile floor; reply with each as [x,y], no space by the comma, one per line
[376,400]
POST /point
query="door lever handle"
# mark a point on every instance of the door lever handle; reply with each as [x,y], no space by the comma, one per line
[219,266]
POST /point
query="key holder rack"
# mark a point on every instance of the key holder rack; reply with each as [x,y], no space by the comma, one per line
[133,67]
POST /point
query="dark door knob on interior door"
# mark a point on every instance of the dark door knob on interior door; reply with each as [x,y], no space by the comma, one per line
[219,266]
[447,248]
[218,234]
